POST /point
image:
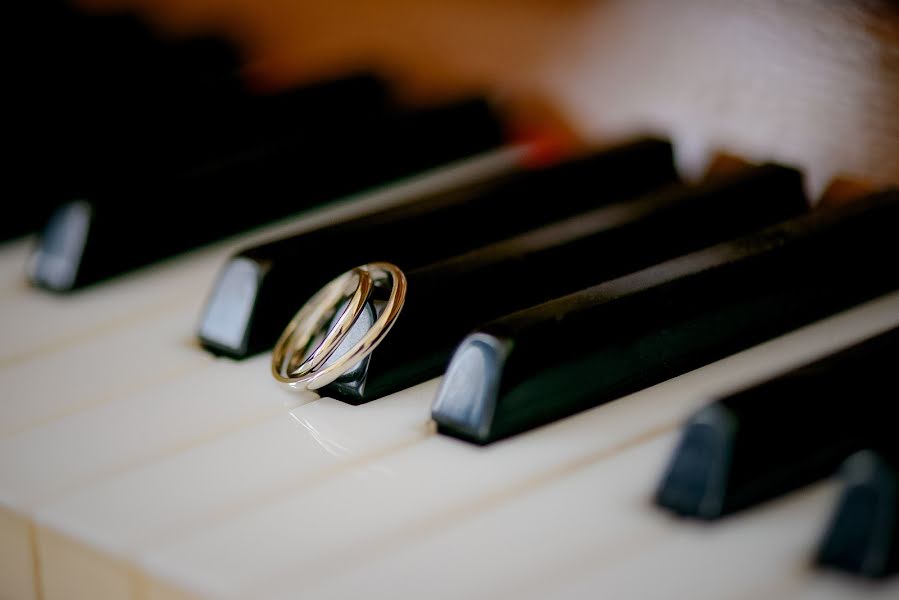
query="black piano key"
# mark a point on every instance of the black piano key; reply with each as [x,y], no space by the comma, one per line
[258,291]
[862,537]
[133,140]
[787,432]
[223,125]
[136,146]
[144,219]
[447,299]
[554,360]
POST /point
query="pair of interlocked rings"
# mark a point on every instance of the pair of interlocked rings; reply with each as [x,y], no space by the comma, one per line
[302,363]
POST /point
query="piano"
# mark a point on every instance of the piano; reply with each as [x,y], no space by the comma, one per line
[135,464]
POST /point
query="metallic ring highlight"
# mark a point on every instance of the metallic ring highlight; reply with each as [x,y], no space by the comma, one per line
[313,335]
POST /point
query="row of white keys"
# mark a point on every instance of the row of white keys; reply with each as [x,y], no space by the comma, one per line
[35,322]
[707,561]
[68,453]
[91,445]
[766,552]
[593,532]
[326,526]
[136,500]
[64,454]
[104,368]
[214,480]
[513,544]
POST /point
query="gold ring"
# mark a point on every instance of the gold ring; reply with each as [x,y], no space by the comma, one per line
[313,335]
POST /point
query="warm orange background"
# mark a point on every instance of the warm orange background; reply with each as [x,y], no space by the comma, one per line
[810,83]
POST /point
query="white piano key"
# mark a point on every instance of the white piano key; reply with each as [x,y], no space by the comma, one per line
[350,517]
[725,559]
[17,575]
[102,369]
[829,585]
[41,463]
[125,513]
[36,322]
[587,522]
[112,578]
[518,543]
[13,255]
[134,509]
[358,513]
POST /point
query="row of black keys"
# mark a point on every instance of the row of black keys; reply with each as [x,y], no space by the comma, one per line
[682,275]
[131,147]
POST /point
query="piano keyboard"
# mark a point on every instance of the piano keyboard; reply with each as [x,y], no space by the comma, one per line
[133,464]
[136,464]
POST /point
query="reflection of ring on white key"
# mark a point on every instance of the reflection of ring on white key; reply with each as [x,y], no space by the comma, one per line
[295,364]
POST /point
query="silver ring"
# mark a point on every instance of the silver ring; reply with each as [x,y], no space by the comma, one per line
[310,339]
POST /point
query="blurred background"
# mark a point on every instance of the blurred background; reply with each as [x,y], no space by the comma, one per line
[809,83]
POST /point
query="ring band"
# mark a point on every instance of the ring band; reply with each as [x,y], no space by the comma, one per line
[295,364]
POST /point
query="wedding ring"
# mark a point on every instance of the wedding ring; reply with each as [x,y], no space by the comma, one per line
[304,359]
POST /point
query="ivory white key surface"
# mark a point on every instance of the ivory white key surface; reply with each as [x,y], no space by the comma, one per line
[593,512]
[597,527]
[13,255]
[228,474]
[830,585]
[35,322]
[727,559]
[353,516]
[64,454]
[104,368]
[18,578]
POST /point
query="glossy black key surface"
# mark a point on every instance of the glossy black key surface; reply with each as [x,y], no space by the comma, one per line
[863,534]
[782,434]
[111,230]
[258,290]
[554,360]
[447,299]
